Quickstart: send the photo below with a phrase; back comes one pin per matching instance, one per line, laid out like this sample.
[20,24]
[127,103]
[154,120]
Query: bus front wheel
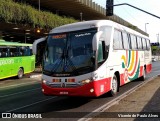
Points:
[114,86]
[20,73]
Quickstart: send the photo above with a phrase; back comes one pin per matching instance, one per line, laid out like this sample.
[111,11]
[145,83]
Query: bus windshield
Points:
[69,53]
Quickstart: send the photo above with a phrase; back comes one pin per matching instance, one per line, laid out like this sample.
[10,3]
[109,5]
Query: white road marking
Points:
[19,92]
[14,85]
[31,104]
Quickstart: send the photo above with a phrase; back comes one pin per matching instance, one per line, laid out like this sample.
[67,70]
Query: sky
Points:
[137,17]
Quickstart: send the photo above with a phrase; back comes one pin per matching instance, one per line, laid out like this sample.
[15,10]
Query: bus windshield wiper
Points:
[68,60]
[60,62]
[64,61]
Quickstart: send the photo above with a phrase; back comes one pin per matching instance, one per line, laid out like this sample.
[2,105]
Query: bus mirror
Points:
[35,44]
[93,59]
[95,40]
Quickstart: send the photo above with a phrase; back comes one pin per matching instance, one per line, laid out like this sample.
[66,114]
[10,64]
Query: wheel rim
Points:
[114,84]
[20,73]
[144,73]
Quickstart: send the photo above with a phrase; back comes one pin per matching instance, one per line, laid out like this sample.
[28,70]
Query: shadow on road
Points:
[152,108]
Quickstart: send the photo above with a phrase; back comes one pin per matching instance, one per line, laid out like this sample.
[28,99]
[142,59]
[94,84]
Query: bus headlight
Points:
[85,81]
[95,76]
[44,81]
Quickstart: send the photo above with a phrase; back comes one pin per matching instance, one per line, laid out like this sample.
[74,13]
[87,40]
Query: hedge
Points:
[25,14]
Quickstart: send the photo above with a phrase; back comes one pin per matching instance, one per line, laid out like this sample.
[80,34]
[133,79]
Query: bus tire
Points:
[144,74]
[20,73]
[114,86]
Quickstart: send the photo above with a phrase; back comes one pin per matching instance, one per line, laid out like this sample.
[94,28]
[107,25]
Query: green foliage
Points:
[25,14]
[155,50]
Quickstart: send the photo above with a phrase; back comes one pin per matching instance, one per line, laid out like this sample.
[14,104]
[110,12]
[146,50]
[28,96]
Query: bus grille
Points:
[64,86]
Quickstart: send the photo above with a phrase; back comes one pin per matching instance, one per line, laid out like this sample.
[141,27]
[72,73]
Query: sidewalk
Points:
[144,99]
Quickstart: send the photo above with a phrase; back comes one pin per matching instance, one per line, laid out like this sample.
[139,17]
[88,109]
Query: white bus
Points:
[91,58]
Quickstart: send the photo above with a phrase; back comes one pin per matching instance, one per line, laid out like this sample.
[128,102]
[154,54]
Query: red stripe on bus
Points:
[148,68]
[141,71]
[122,82]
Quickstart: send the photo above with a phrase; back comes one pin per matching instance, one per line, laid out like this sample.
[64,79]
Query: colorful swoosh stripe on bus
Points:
[131,64]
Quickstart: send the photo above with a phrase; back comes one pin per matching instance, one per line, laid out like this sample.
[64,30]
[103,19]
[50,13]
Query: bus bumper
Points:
[93,89]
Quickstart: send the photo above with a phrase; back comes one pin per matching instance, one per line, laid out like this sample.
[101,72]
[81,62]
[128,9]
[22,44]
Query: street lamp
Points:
[39,4]
[146,27]
[81,15]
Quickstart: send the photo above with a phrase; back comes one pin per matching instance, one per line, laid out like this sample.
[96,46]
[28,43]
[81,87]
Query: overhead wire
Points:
[129,13]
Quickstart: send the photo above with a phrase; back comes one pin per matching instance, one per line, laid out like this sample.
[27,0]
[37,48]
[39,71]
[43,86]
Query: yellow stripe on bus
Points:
[28,72]
[8,76]
[14,75]
[132,61]
[124,59]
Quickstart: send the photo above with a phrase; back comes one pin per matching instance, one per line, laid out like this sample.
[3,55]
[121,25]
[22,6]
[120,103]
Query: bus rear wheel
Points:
[20,73]
[144,74]
[114,86]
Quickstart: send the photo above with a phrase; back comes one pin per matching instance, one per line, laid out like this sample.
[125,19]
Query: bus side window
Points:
[117,40]
[133,42]
[13,51]
[28,51]
[144,44]
[125,40]
[0,52]
[25,51]
[21,51]
[10,53]
[17,52]
[4,52]
[101,51]
[148,44]
[139,42]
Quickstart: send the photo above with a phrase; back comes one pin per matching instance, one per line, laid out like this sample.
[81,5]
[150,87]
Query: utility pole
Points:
[146,27]
[158,38]
[81,16]
[39,5]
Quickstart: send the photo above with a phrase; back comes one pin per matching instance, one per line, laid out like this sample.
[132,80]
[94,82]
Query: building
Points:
[27,20]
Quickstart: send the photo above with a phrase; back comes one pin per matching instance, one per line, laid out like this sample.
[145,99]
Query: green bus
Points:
[16,59]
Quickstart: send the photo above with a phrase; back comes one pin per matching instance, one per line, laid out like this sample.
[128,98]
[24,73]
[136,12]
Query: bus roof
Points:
[6,43]
[93,24]
[78,26]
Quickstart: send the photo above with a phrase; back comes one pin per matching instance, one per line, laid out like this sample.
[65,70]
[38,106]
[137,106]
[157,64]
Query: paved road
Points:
[24,96]
[141,105]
